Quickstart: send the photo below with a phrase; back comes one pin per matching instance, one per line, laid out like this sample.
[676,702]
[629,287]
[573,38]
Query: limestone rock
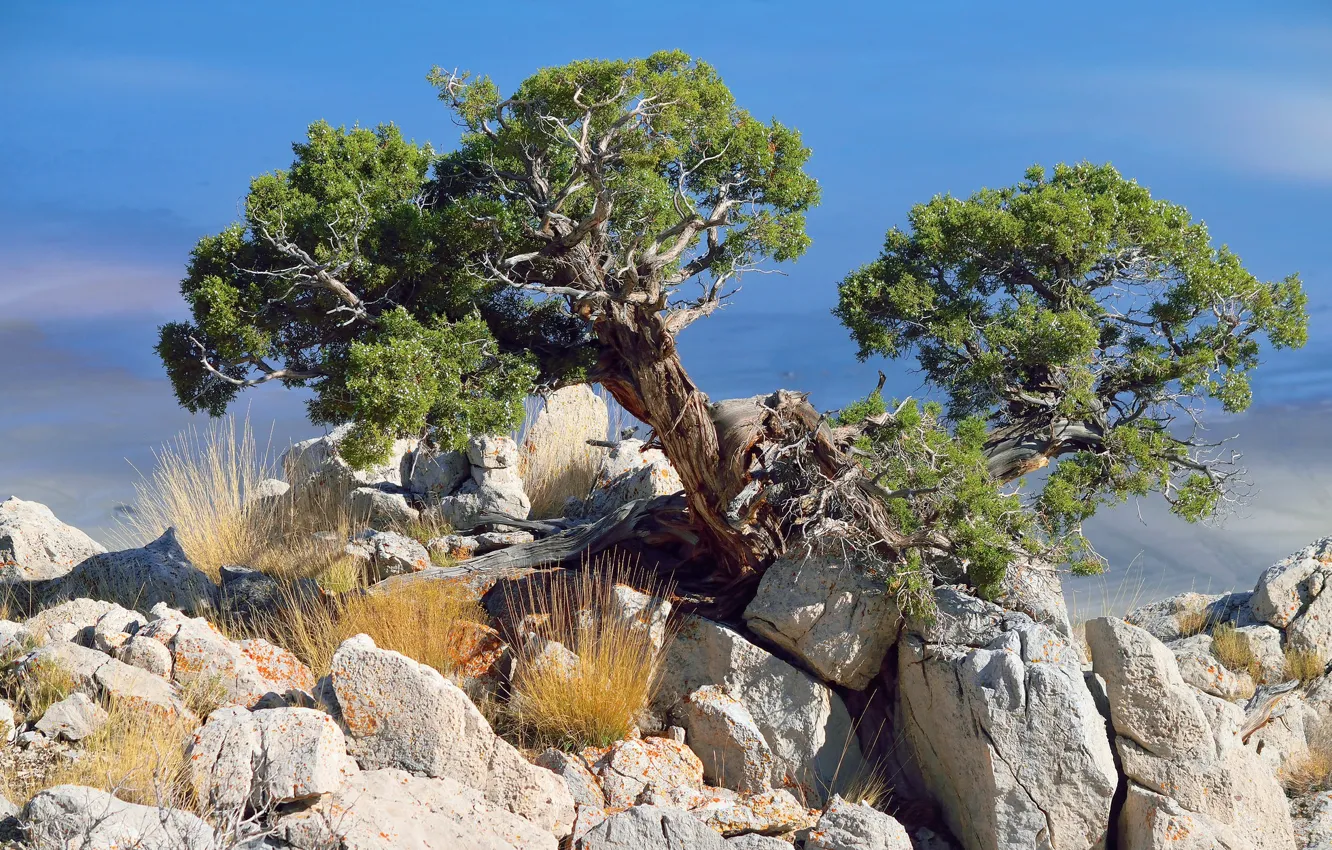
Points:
[856,826]
[1190,772]
[430,473]
[6,722]
[316,470]
[393,810]
[633,766]
[455,547]
[1288,586]
[247,593]
[583,784]
[402,714]
[76,621]
[644,613]
[836,619]
[493,540]
[243,671]
[1265,643]
[770,813]
[75,816]
[35,546]
[1008,737]
[752,841]
[628,473]
[394,554]
[1031,587]
[805,724]
[382,506]
[1150,702]
[265,758]
[268,490]
[98,675]
[158,572]
[1201,669]
[72,719]
[146,654]
[556,443]
[721,731]
[13,636]
[652,828]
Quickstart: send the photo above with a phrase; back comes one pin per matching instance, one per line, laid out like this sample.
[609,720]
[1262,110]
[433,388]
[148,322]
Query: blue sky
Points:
[130,129]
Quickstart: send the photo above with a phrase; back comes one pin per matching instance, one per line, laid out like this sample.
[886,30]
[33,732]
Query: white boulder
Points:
[838,620]
[35,546]
[401,714]
[68,816]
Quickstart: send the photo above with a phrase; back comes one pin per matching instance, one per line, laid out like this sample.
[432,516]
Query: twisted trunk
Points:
[717,449]
[1014,451]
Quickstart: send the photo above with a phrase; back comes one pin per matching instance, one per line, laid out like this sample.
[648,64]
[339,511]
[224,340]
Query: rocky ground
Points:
[823,718]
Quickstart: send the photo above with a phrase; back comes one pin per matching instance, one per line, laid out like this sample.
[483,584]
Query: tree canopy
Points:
[1078,318]
[587,218]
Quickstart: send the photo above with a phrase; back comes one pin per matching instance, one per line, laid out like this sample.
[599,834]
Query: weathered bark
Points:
[717,449]
[1015,451]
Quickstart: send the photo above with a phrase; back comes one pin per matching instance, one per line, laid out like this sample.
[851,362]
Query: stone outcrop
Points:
[557,438]
[35,546]
[1004,730]
[72,719]
[629,471]
[400,714]
[391,809]
[267,758]
[315,470]
[652,828]
[856,826]
[721,731]
[805,723]
[836,619]
[495,486]
[159,573]
[99,676]
[243,671]
[74,816]
[633,767]
[1188,771]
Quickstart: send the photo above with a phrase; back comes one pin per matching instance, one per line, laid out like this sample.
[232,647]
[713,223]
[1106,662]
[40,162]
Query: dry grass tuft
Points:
[38,686]
[434,622]
[1310,772]
[201,485]
[595,701]
[1231,647]
[556,463]
[138,756]
[1304,665]
[1192,622]
[870,787]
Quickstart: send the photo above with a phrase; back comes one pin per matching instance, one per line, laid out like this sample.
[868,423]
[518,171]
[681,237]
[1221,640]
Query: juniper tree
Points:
[1075,318]
[587,218]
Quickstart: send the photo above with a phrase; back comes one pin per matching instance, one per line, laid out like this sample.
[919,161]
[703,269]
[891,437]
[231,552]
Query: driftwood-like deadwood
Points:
[658,526]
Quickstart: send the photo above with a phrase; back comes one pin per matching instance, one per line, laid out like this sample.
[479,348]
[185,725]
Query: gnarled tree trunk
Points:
[717,449]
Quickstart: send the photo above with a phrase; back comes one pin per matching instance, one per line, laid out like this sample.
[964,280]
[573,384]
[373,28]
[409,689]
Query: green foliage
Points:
[418,294]
[1074,317]
[935,479]
[679,144]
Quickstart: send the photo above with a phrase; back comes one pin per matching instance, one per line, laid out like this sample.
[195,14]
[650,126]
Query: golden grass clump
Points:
[1304,665]
[438,623]
[1192,622]
[1310,772]
[39,685]
[139,756]
[1231,647]
[201,485]
[596,700]
[555,461]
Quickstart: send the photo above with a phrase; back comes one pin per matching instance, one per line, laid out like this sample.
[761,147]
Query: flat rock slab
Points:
[393,810]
